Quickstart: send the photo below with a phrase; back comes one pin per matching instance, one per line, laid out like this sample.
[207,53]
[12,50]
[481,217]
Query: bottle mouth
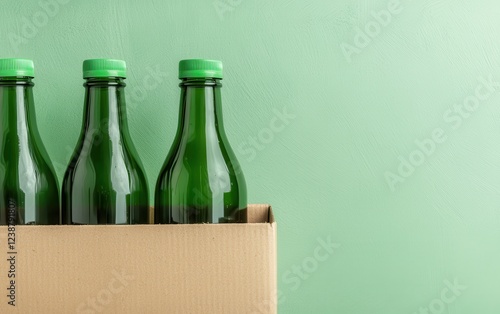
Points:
[105,81]
[196,81]
[16,81]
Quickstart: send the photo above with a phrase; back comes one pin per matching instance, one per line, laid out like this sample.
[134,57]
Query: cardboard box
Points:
[205,268]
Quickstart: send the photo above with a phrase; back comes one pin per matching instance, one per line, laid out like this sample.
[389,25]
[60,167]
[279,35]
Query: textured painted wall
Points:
[373,127]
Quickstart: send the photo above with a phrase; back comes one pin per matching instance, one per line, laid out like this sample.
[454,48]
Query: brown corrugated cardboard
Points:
[208,268]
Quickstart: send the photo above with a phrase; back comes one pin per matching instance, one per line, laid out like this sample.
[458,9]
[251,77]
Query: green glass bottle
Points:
[105,182]
[201,180]
[29,190]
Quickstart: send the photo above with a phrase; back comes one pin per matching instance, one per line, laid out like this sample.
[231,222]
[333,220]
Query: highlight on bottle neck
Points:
[104,100]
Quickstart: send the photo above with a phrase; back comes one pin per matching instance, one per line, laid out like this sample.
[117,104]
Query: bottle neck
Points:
[17,109]
[200,115]
[105,111]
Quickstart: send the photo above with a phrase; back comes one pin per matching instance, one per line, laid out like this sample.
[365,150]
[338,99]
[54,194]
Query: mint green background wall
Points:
[329,122]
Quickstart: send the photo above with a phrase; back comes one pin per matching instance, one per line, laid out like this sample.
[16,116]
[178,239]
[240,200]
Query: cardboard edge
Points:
[250,218]
[270,218]
[273,261]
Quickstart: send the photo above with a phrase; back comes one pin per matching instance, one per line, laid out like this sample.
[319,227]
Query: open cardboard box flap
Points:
[205,268]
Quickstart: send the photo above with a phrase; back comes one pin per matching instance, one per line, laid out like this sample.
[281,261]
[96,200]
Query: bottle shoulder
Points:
[30,162]
[214,162]
[29,174]
[103,165]
[98,148]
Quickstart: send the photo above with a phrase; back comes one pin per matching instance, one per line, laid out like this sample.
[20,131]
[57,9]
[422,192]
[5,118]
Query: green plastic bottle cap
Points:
[16,67]
[194,68]
[104,68]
